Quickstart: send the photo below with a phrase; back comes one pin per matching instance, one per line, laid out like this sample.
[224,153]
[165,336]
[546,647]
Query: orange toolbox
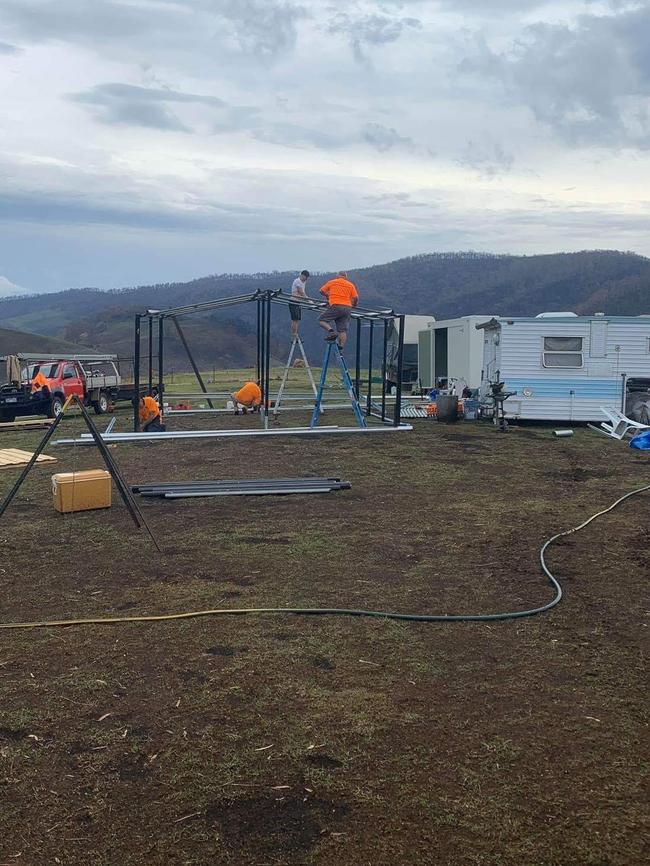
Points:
[81,491]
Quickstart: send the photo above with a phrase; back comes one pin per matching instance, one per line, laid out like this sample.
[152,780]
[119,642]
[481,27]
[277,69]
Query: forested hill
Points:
[440,284]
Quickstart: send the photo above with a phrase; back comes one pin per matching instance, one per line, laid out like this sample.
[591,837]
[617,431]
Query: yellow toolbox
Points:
[81,491]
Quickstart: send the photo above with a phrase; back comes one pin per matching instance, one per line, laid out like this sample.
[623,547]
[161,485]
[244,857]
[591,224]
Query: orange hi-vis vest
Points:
[149,410]
[340,292]
[249,394]
[39,381]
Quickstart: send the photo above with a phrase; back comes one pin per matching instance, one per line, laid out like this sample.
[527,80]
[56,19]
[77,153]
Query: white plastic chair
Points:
[619,424]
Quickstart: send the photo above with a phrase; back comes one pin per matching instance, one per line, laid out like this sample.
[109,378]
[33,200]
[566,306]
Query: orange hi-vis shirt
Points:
[149,410]
[340,291]
[39,381]
[249,394]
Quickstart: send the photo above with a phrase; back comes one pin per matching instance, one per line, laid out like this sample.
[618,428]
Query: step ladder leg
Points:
[285,376]
[347,381]
[321,385]
[307,367]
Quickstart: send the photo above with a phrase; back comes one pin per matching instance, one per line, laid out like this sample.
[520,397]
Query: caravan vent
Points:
[556,315]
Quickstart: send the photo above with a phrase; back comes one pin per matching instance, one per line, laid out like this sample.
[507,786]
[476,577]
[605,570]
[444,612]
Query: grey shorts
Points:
[296,312]
[339,314]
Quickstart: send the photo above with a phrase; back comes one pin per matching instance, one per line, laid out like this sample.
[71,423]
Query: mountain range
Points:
[443,285]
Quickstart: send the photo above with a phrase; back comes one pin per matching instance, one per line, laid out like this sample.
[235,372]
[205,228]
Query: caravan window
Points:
[562,352]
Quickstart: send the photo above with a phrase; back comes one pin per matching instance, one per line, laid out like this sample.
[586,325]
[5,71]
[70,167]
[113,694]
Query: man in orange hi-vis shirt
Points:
[39,382]
[341,296]
[150,415]
[248,397]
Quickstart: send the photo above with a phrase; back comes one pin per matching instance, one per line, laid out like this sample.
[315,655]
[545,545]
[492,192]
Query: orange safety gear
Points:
[249,394]
[149,409]
[39,382]
[340,292]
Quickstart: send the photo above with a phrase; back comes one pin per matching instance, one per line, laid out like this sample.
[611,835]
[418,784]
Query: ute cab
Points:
[95,381]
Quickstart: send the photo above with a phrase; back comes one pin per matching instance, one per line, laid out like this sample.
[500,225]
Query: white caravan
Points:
[564,367]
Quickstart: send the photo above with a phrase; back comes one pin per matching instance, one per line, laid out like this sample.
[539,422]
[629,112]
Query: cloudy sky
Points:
[159,140]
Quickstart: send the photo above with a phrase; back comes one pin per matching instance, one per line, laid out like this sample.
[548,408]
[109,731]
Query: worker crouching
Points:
[248,398]
[151,419]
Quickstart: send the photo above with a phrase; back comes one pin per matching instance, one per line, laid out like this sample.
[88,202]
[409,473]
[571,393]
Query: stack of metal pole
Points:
[235,487]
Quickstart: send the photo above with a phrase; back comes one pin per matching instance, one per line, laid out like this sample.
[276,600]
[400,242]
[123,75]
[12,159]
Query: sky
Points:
[146,141]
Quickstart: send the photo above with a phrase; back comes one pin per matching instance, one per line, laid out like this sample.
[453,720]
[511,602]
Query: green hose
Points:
[341,611]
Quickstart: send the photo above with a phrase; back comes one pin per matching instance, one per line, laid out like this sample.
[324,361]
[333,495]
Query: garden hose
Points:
[338,611]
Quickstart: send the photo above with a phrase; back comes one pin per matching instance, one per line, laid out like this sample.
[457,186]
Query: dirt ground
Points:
[318,740]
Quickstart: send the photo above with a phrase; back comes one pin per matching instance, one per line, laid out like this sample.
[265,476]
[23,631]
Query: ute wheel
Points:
[56,407]
[100,406]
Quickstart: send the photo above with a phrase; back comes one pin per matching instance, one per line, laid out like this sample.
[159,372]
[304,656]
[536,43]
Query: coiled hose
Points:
[341,611]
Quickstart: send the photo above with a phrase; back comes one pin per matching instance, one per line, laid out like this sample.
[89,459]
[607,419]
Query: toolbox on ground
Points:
[81,491]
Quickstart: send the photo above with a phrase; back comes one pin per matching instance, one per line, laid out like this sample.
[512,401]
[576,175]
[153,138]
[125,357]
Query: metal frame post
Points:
[150,347]
[259,344]
[161,362]
[357,371]
[400,359]
[370,348]
[136,376]
[266,396]
[195,368]
[383,372]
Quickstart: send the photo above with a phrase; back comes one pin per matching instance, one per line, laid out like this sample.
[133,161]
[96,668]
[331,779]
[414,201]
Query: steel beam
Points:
[233,434]
[197,372]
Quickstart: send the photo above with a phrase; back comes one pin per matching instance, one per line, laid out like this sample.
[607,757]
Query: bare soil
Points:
[319,740]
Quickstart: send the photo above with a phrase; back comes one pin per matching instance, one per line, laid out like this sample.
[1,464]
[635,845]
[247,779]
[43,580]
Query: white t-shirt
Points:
[298,288]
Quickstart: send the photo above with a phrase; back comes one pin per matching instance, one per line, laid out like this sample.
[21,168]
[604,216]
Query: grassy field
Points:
[297,380]
[286,740]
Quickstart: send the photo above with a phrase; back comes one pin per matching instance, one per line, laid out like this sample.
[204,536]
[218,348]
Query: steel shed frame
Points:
[264,300]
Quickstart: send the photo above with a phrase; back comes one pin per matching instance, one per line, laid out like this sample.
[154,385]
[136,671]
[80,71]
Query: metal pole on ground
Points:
[370,342]
[197,372]
[400,366]
[136,376]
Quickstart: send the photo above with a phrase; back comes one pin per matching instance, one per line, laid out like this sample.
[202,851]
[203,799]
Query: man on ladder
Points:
[297,291]
[342,296]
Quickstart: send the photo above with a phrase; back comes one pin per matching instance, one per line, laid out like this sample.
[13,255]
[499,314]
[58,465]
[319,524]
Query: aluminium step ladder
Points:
[347,381]
[296,342]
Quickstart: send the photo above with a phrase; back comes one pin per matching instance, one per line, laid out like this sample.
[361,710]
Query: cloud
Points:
[74,20]
[369,30]
[587,81]
[262,28]
[8,289]
[6,48]
[384,138]
[487,158]
[127,104]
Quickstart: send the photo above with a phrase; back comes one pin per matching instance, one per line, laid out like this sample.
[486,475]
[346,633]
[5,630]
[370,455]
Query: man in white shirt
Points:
[297,291]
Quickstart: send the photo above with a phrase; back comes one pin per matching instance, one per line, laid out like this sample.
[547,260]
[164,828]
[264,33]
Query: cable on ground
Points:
[339,611]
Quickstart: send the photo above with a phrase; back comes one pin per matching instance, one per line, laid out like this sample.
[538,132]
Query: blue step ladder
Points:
[347,381]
